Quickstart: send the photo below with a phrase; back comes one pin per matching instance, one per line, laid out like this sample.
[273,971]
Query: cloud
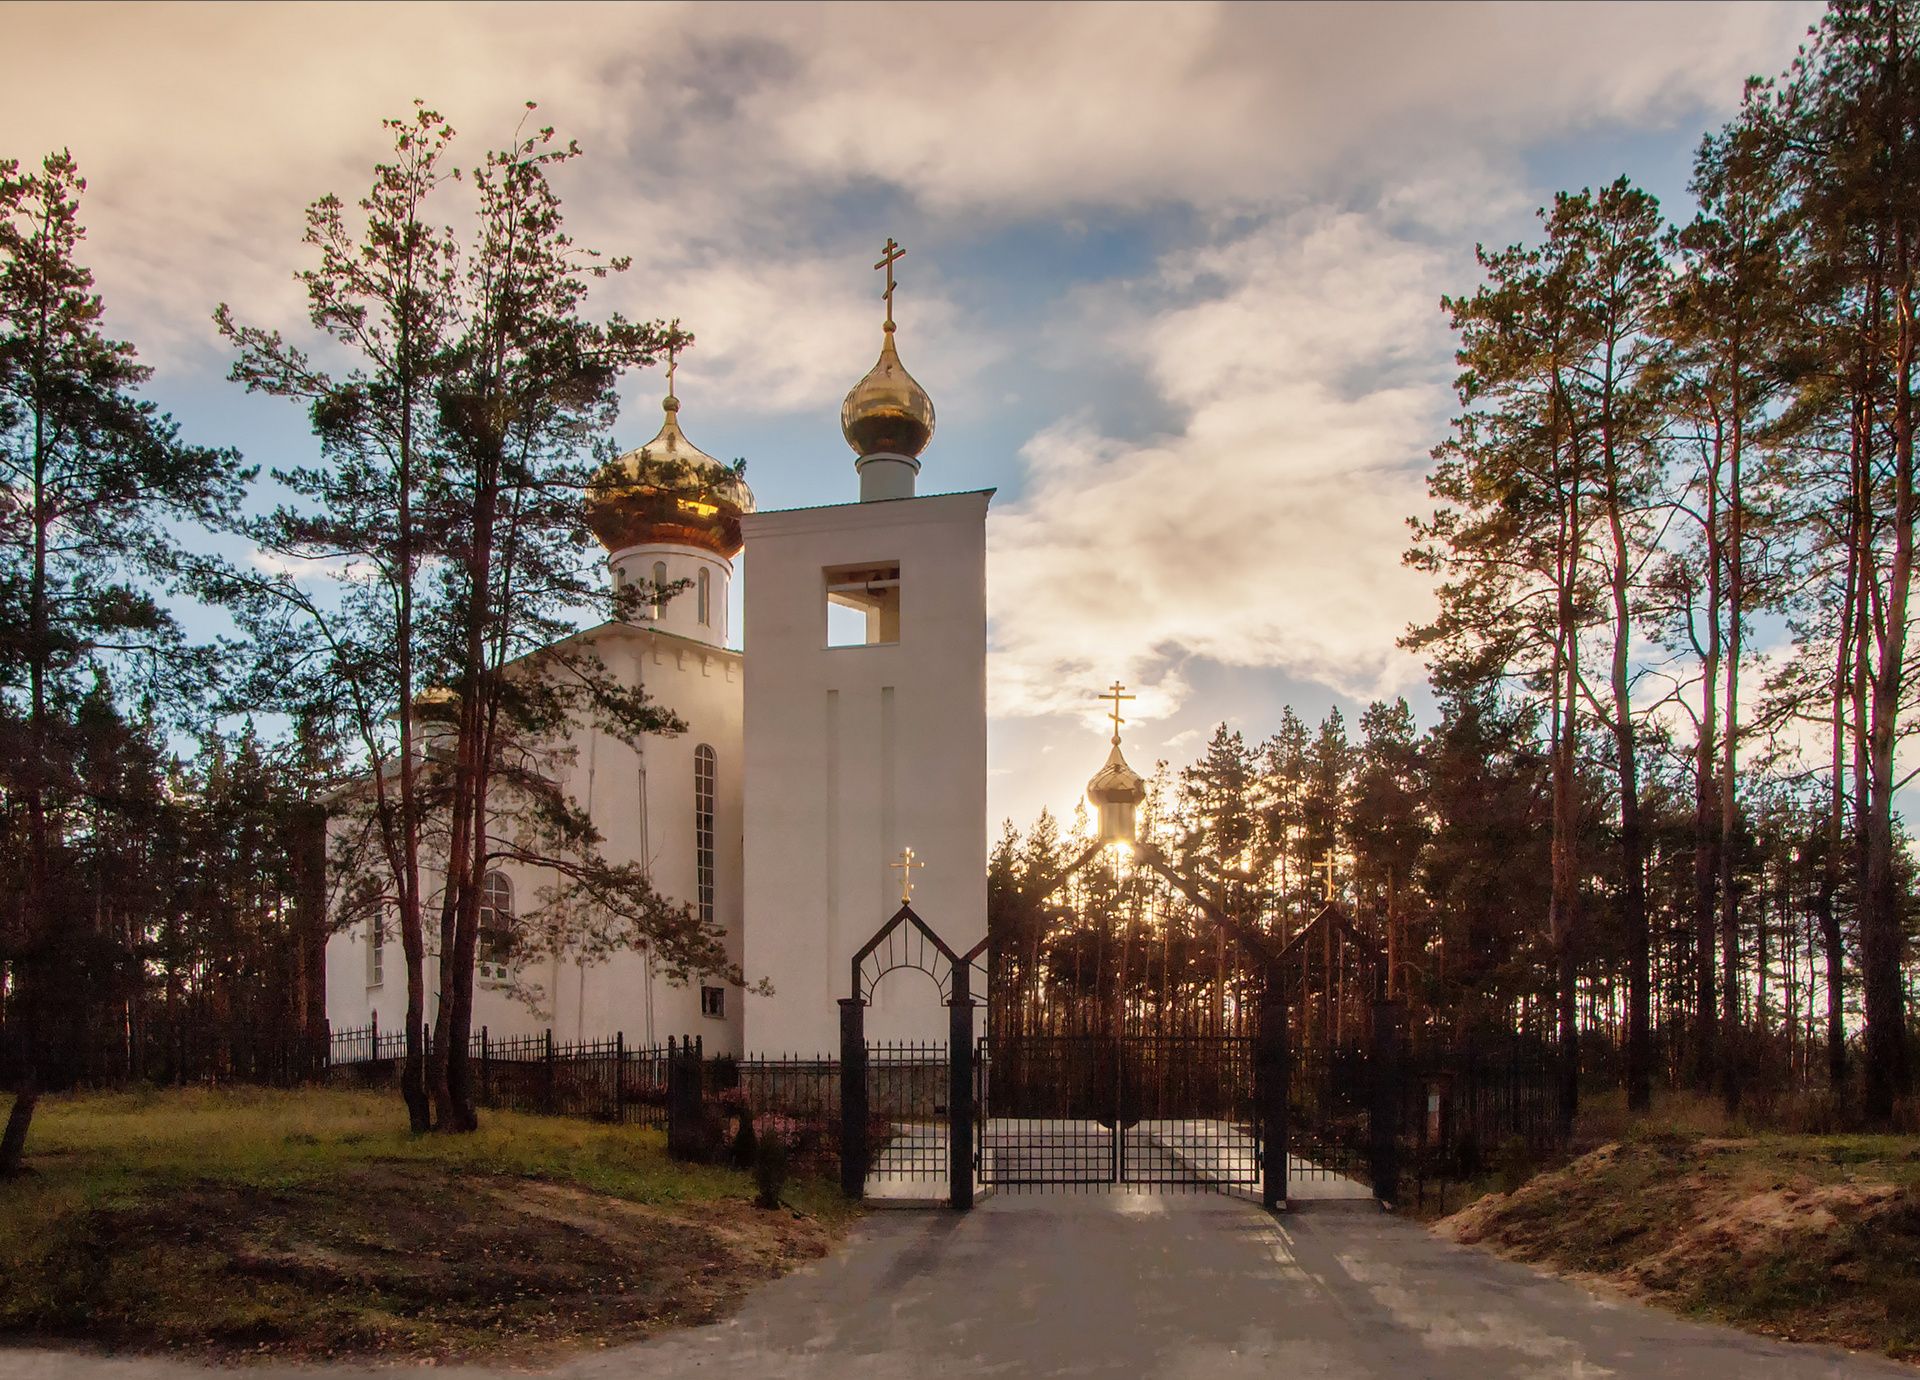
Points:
[1310,365]
[973,107]
[1232,488]
[720,134]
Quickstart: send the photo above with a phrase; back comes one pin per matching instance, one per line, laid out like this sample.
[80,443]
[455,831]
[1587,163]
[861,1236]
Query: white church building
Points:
[811,759]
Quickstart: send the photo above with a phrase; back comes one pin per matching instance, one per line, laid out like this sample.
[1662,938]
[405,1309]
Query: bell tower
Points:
[866,728]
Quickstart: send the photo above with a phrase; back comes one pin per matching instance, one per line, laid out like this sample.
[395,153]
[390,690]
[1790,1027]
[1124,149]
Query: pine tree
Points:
[97,478]
[462,450]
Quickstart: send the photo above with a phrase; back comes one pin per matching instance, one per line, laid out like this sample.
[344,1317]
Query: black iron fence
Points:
[1479,1107]
[793,1098]
[601,1080]
[169,1054]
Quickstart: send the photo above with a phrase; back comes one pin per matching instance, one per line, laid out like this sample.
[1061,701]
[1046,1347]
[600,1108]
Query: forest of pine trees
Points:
[1673,541]
[1654,816]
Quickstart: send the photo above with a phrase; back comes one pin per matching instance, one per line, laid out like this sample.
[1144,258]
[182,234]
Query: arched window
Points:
[659,583]
[496,928]
[706,612]
[704,767]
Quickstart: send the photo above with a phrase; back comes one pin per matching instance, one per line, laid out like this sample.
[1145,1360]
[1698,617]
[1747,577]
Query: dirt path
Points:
[1113,1285]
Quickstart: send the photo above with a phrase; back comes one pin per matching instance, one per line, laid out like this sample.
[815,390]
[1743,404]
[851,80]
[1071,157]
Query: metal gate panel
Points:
[1189,1116]
[1094,1111]
[908,1126]
[1330,1113]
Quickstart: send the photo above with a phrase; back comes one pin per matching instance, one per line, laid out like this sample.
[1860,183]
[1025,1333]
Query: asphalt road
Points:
[1104,1284]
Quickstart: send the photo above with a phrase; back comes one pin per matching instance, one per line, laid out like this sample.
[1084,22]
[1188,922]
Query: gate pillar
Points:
[1384,1117]
[1270,1073]
[960,1110]
[853,1097]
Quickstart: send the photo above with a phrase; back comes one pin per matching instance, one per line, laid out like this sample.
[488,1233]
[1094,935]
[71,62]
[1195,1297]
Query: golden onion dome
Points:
[669,490]
[887,412]
[1116,783]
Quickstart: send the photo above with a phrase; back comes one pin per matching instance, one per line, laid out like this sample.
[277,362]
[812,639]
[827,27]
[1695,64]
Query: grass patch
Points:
[1807,1237]
[310,1224]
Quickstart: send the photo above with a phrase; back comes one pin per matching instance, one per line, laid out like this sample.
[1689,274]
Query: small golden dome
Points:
[669,490]
[887,412]
[1116,783]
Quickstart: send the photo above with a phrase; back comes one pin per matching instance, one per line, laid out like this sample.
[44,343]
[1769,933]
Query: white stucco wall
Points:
[853,753]
[680,613]
[702,684]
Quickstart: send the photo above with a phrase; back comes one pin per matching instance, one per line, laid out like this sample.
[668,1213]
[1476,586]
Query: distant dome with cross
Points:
[1116,790]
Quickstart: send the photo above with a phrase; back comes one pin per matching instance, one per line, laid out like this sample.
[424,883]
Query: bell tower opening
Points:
[863,604]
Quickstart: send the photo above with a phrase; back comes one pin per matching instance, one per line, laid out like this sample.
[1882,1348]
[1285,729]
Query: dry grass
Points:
[310,1224]
[1812,1238]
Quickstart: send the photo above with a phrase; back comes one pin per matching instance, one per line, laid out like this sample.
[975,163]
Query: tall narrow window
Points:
[659,583]
[496,928]
[377,948]
[703,781]
[706,610]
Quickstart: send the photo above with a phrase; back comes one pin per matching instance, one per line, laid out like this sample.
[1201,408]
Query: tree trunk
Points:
[1888,1075]
[1706,804]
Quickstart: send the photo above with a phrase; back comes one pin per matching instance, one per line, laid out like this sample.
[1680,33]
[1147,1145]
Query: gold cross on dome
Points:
[1326,865]
[891,255]
[673,363]
[1115,694]
[905,868]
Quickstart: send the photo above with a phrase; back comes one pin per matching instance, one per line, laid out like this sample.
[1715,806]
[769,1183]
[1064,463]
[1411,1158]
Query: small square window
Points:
[863,604]
[494,960]
[713,1001]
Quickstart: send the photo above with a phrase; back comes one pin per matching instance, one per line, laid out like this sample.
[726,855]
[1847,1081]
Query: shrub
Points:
[1514,1164]
[745,1142]
[770,1170]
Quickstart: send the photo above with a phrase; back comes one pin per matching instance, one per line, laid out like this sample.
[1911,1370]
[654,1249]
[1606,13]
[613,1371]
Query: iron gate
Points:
[1332,1096]
[1096,1111]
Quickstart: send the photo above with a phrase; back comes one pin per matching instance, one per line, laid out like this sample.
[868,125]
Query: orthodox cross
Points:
[673,363]
[1116,696]
[1326,865]
[891,255]
[905,867]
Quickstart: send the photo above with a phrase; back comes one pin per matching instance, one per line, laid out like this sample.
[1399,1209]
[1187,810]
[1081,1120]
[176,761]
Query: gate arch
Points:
[915,1099]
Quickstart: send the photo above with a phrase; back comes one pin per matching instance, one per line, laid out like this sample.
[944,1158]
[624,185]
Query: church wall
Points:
[853,753]
[623,993]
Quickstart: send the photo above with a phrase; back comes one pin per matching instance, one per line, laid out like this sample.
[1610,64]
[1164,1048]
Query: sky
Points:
[1173,272]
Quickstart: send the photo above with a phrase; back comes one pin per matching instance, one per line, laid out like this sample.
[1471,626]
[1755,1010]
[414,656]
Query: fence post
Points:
[684,1080]
[486,1067]
[853,1097]
[374,1028]
[620,1077]
[960,1090]
[546,1100]
[1270,1074]
[1385,1115]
